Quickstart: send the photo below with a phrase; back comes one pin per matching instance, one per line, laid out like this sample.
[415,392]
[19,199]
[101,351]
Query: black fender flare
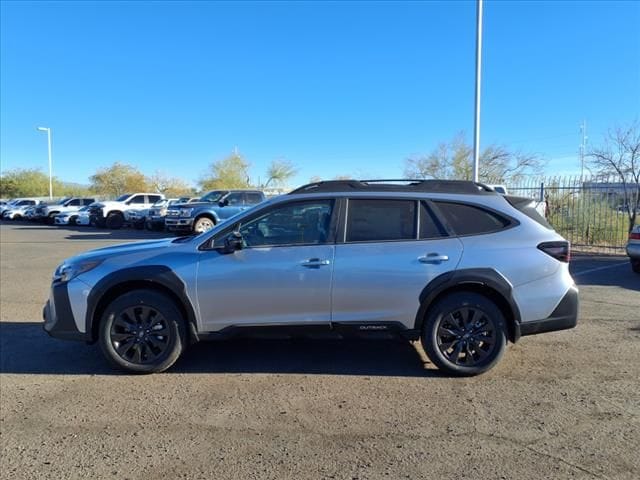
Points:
[157,277]
[481,279]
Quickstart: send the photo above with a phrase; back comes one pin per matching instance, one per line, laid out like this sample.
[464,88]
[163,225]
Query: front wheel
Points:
[635,265]
[142,331]
[464,334]
[115,221]
[203,224]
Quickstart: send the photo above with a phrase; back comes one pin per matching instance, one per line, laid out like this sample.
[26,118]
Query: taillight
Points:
[558,250]
[634,236]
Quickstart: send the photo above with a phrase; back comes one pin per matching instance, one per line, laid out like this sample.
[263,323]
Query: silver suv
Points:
[451,263]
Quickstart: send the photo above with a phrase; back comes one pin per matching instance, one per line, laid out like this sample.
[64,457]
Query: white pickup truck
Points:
[111,214]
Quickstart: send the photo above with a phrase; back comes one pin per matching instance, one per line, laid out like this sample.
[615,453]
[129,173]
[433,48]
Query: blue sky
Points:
[336,88]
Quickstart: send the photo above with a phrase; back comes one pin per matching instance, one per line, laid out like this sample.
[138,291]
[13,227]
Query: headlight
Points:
[68,271]
[186,212]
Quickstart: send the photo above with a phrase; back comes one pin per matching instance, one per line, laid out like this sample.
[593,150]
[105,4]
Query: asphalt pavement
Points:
[559,405]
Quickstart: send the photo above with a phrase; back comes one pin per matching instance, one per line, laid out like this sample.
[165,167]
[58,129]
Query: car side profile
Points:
[453,264]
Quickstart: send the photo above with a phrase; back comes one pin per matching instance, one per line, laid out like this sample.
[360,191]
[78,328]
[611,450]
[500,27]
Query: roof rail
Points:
[407,185]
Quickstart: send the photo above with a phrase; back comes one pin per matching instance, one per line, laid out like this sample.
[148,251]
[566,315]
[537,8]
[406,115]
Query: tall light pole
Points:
[476,126]
[48,130]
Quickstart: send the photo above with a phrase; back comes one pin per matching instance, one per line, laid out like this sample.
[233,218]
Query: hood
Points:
[192,205]
[126,248]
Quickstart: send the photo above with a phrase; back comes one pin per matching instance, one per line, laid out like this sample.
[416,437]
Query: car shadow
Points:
[26,349]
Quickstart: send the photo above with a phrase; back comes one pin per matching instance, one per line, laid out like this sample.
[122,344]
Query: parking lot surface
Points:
[559,405]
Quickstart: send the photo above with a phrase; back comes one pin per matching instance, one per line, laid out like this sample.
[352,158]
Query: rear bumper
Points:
[564,316]
[58,316]
[633,250]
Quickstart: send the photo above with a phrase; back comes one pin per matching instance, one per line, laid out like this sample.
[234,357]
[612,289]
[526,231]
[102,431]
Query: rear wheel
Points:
[115,220]
[203,224]
[142,331]
[464,334]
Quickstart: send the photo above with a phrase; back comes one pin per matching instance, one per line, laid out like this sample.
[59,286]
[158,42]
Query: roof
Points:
[403,185]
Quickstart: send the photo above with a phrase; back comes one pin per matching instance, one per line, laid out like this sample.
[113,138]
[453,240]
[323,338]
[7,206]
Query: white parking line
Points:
[591,270]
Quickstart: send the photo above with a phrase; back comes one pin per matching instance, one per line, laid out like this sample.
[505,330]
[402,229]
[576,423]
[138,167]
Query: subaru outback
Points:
[453,264]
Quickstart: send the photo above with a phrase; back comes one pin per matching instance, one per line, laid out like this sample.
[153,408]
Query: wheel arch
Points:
[157,278]
[207,214]
[484,281]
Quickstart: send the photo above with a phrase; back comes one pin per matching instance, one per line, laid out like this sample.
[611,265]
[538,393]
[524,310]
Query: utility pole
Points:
[583,146]
[48,130]
[476,126]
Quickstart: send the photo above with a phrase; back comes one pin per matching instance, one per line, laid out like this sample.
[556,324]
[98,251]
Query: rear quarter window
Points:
[467,219]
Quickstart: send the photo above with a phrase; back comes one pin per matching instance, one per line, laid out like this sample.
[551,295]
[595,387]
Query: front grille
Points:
[173,213]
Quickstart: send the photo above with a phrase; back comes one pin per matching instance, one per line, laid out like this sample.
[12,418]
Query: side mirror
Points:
[233,243]
[224,202]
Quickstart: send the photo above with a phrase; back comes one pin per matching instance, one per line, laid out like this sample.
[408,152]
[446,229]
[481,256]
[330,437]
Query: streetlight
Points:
[476,126]
[48,130]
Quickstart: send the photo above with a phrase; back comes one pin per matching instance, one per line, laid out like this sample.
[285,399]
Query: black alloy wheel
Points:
[464,334]
[142,331]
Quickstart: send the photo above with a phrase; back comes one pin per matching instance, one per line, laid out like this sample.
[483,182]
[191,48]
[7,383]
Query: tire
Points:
[203,224]
[126,341]
[72,220]
[461,346]
[148,225]
[115,221]
[138,225]
[635,265]
[51,219]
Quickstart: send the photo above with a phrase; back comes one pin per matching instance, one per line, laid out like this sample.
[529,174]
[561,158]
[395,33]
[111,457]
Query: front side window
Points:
[154,198]
[300,223]
[74,203]
[379,220]
[234,199]
[253,198]
[138,199]
[468,219]
[213,196]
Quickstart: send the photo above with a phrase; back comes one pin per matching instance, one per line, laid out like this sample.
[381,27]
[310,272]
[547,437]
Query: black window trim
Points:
[331,238]
[452,233]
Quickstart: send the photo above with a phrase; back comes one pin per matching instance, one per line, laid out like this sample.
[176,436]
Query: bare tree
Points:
[619,155]
[453,160]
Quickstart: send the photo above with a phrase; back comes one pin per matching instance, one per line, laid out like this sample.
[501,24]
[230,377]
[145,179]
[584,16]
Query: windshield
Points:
[213,196]
[122,198]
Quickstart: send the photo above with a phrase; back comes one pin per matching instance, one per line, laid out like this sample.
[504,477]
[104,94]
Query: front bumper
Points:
[58,317]
[564,316]
[178,223]
[633,250]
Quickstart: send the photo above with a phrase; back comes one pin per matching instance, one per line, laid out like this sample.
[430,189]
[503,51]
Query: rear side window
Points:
[234,198]
[381,220]
[471,220]
[430,226]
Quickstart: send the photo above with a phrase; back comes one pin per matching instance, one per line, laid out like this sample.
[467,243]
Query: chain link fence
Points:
[592,213]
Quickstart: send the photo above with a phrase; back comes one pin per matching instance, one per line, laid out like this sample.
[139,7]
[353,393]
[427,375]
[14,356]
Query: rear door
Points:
[389,251]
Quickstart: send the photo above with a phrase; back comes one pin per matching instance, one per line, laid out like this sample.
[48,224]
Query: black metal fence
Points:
[592,213]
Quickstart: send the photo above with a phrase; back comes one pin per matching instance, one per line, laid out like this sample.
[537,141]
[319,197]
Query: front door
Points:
[282,276]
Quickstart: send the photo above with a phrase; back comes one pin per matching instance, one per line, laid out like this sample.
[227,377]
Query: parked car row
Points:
[138,210]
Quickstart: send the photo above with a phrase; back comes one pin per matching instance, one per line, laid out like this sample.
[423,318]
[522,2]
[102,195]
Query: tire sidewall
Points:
[175,325]
[445,306]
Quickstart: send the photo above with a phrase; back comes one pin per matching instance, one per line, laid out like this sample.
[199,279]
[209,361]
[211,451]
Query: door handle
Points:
[314,262]
[433,258]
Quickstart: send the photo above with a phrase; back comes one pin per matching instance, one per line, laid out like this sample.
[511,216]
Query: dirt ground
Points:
[559,405]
